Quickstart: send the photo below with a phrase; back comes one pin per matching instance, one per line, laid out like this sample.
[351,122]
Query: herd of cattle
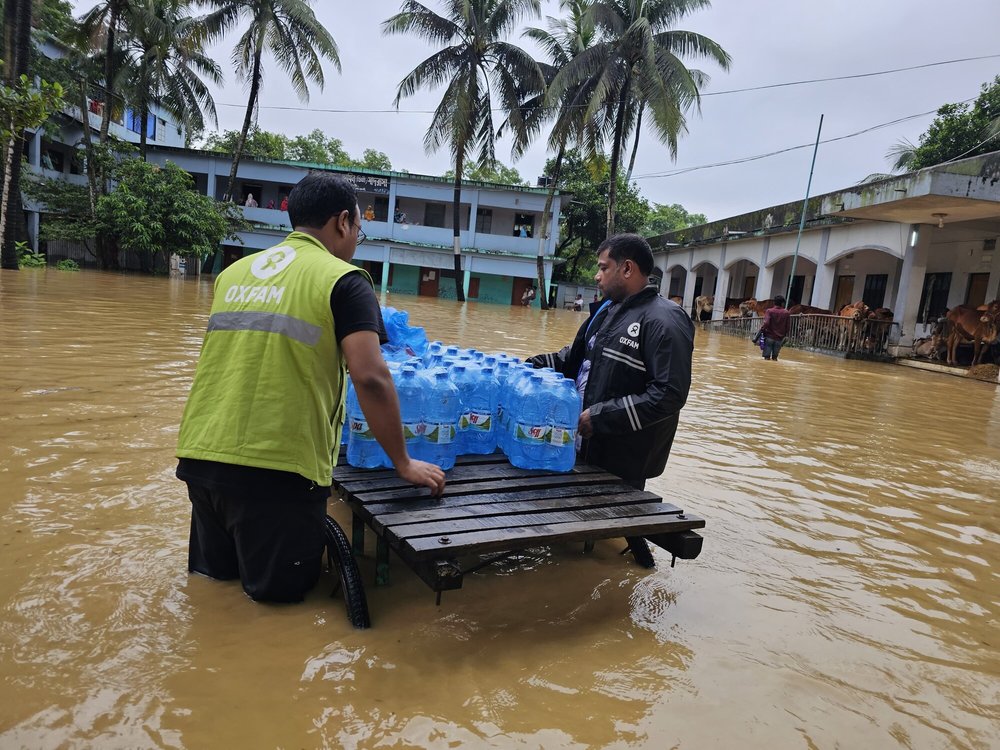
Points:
[963,324]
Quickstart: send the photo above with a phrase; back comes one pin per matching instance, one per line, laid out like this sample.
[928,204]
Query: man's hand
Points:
[423,474]
[585,427]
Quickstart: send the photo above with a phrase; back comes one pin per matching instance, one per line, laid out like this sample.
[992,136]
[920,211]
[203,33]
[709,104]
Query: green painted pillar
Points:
[466,277]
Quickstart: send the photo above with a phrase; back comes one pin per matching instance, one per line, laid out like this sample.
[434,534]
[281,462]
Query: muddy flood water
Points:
[848,594]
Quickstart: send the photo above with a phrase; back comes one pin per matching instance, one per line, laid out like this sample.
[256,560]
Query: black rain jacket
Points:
[639,379]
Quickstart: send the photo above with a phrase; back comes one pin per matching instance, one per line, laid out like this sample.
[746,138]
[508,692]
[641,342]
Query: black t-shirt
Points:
[355,308]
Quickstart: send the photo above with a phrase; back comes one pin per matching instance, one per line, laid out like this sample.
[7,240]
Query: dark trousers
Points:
[273,544]
[771,348]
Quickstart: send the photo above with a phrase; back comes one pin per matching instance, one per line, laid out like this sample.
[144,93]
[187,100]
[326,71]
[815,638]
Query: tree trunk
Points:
[251,103]
[546,220]
[616,155]
[12,225]
[143,113]
[456,223]
[9,259]
[88,149]
[635,144]
[114,13]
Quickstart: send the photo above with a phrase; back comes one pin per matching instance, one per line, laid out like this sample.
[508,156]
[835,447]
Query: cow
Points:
[875,330]
[807,310]
[935,346]
[971,324]
[733,311]
[702,304]
[755,307]
[856,311]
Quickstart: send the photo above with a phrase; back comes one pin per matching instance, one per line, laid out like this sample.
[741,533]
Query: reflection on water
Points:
[846,597]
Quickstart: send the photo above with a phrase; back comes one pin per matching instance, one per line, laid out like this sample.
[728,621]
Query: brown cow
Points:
[733,311]
[856,311]
[807,310]
[970,324]
[703,304]
[757,307]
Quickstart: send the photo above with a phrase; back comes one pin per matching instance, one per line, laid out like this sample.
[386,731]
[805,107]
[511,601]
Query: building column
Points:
[385,268]
[911,282]
[692,276]
[391,218]
[721,286]
[765,277]
[822,288]
[473,208]
[993,283]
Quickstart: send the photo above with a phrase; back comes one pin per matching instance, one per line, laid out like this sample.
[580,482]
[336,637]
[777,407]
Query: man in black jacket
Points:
[631,361]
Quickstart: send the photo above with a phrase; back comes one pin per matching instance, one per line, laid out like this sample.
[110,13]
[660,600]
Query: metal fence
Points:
[855,339]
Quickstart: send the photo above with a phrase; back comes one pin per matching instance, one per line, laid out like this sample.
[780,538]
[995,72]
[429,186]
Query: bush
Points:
[28,259]
[68,264]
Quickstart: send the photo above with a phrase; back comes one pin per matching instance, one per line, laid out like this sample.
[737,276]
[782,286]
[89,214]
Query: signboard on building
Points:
[368,183]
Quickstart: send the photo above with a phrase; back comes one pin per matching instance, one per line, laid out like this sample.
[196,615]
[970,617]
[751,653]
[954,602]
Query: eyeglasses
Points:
[361,234]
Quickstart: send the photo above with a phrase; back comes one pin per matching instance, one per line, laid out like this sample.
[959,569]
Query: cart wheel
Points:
[338,550]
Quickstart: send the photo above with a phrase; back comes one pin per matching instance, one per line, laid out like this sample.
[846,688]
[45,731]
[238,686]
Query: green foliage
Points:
[28,259]
[489,172]
[314,147]
[67,208]
[22,105]
[261,144]
[584,217]
[665,218]
[156,209]
[67,264]
[958,131]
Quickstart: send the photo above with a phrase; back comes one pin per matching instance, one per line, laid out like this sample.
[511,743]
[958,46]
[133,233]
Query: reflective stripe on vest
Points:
[286,325]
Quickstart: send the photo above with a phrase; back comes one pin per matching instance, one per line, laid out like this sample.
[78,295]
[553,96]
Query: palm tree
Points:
[165,62]
[290,31]
[102,24]
[637,64]
[474,64]
[564,40]
[17,49]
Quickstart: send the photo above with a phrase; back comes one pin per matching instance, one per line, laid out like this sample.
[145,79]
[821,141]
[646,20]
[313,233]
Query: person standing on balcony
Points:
[250,202]
[369,213]
[284,203]
[775,328]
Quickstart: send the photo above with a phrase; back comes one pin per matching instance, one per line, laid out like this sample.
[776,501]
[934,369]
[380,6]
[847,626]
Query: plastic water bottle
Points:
[477,389]
[442,408]
[363,450]
[562,430]
[530,428]
[411,389]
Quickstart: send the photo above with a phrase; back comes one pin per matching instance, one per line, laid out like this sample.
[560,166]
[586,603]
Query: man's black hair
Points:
[318,197]
[779,301]
[622,247]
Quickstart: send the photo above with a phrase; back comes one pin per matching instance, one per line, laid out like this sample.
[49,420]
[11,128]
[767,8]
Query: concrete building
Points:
[409,247]
[918,244]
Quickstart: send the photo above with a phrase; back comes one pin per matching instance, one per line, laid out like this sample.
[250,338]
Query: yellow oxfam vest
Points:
[269,388]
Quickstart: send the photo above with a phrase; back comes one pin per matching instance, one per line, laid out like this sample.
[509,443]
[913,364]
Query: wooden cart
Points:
[493,509]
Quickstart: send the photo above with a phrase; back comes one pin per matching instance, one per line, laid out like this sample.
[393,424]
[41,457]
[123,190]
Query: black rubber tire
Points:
[338,550]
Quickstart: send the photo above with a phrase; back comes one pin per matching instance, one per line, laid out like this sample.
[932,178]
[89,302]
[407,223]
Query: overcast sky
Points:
[770,41]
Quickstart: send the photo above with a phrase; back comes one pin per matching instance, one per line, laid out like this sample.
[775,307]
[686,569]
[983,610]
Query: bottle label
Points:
[439,434]
[561,436]
[476,420]
[531,434]
[413,430]
[360,430]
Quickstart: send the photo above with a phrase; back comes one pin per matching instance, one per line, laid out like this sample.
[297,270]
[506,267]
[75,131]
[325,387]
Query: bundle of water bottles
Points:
[456,401]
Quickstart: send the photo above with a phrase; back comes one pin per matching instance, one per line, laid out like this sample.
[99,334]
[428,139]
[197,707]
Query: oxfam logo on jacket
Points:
[633,330]
[271,262]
